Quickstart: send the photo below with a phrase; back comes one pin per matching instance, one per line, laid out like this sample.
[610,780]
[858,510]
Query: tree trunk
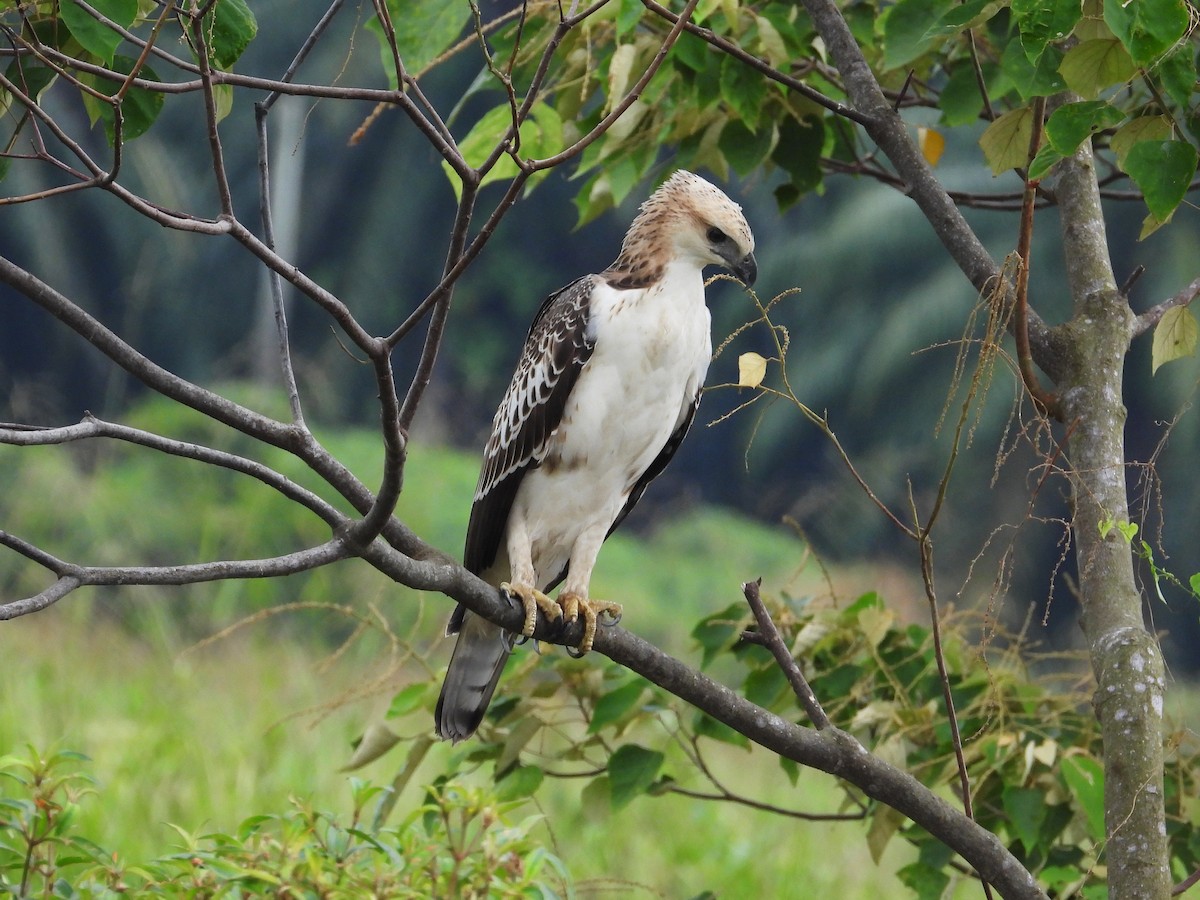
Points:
[1125,657]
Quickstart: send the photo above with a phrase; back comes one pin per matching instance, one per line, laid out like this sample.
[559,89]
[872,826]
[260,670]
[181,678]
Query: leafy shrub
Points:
[460,842]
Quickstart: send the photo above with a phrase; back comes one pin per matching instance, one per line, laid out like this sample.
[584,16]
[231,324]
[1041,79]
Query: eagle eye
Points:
[716,235]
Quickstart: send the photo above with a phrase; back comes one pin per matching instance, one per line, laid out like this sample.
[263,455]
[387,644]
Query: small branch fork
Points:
[773,642]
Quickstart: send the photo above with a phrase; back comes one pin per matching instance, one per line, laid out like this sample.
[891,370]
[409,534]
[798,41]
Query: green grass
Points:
[204,739]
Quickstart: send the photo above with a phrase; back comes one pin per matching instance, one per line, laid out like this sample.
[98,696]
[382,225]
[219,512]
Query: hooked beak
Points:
[746,269]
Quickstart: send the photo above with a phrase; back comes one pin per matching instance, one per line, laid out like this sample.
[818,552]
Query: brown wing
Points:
[555,351]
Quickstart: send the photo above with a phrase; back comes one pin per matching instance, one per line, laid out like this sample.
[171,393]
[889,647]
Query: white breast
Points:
[651,354]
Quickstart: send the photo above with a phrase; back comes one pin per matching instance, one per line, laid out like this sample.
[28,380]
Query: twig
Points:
[1047,402]
[283,344]
[1151,317]
[761,66]
[779,650]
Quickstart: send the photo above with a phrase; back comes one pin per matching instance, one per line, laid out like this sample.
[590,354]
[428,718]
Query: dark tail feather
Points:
[475,668]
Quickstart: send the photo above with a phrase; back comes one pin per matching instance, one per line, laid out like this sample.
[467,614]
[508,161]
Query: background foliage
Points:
[874,334]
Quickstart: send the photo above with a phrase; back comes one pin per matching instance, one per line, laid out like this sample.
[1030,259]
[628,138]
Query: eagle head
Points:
[708,226]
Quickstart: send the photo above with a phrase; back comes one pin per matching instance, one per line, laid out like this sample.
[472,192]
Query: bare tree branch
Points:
[1151,317]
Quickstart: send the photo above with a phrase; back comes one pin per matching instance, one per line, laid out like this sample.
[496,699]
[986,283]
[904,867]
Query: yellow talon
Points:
[532,600]
[573,604]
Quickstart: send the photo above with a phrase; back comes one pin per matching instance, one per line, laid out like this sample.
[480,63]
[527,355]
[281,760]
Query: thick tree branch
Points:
[888,130]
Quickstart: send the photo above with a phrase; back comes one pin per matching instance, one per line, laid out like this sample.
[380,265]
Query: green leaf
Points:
[519,782]
[1025,809]
[718,632]
[1133,132]
[906,30]
[229,28]
[1092,66]
[139,108]
[1031,80]
[1162,170]
[1175,336]
[541,135]
[631,770]
[744,90]
[616,704]
[925,881]
[971,14]
[1147,28]
[1042,22]
[407,700]
[31,78]
[798,151]
[1178,74]
[771,43]
[744,149]
[1194,583]
[1071,123]
[1085,777]
[424,30]
[96,38]
[1005,142]
[1046,157]
[629,13]
[960,100]
[764,686]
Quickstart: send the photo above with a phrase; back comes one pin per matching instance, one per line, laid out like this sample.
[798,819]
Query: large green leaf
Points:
[1085,777]
[744,149]
[1162,170]
[1175,336]
[1025,809]
[424,30]
[631,770]
[229,28]
[1147,28]
[1043,21]
[798,151]
[1143,128]
[1005,142]
[1031,80]
[1093,66]
[95,37]
[1178,74]
[906,31]
[139,107]
[1071,123]
[616,704]
[541,135]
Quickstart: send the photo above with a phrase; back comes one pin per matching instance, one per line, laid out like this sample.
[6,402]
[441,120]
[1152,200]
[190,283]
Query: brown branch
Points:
[759,65]
[1151,317]
[774,643]
[1046,402]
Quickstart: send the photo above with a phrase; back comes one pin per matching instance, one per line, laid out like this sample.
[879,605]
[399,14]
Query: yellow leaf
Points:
[377,740]
[1143,128]
[1175,336]
[619,71]
[1005,142]
[875,622]
[932,144]
[771,42]
[751,369]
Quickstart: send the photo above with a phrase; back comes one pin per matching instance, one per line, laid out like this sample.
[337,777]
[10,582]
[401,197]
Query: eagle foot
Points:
[573,605]
[531,600]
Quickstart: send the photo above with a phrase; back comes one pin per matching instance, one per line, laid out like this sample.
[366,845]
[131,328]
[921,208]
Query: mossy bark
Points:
[1125,656]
